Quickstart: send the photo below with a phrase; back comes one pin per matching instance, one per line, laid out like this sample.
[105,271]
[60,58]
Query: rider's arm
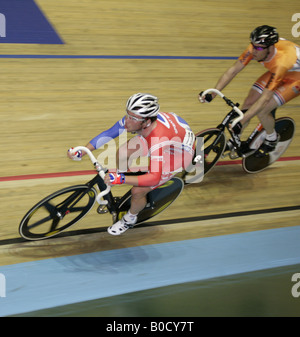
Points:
[105,136]
[238,66]
[147,179]
[153,177]
[229,74]
[226,78]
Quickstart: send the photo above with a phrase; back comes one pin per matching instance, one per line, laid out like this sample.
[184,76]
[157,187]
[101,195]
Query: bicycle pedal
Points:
[233,154]
[102,209]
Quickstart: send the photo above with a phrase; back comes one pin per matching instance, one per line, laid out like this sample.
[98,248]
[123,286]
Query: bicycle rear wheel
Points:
[158,200]
[285,127]
[57,212]
[214,142]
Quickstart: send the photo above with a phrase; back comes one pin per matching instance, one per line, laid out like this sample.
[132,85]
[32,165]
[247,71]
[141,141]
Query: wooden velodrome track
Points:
[50,104]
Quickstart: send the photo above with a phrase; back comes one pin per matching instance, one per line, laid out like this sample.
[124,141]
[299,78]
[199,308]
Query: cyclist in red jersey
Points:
[278,85]
[164,137]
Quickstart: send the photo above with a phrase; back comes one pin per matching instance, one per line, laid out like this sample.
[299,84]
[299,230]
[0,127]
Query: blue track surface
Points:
[59,281]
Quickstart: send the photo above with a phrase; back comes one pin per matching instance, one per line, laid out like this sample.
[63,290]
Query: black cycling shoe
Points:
[245,149]
[267,147]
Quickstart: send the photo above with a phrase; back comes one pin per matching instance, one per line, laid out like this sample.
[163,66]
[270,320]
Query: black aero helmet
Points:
[265,35]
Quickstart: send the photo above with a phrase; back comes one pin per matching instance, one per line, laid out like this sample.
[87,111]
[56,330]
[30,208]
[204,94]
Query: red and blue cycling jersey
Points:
[169,146]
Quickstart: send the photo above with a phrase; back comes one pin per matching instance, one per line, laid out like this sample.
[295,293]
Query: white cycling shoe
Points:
[120,227]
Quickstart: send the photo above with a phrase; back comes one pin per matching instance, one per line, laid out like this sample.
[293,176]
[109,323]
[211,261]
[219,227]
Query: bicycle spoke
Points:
[56,211]
[73,198]
[54,224]
[40,222]
[75,209]
[50,208]
[53,215]
[208,138]
[208,149]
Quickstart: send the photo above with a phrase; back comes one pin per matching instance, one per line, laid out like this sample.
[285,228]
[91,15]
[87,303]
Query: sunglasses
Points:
[133,118]
[259,48]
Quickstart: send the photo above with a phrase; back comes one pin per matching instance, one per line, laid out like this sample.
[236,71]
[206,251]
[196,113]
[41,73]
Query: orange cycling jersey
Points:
[284,66]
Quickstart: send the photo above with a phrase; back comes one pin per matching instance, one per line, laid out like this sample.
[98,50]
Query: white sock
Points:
[130,218]
[272,136]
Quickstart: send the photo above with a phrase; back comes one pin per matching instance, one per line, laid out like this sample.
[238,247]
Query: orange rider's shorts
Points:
[288,89]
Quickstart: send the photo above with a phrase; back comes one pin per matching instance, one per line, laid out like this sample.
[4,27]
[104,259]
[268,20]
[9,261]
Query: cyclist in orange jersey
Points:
[278,85]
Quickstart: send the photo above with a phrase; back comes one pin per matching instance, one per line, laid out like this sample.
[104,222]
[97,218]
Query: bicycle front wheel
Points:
[214,142]
[57,212]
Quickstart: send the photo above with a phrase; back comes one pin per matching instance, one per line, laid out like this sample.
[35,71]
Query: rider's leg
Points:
[138,202]
[132,149]
[267,119]
[254,94]
[138,198]
[252,97]
[284,93]
[266,116]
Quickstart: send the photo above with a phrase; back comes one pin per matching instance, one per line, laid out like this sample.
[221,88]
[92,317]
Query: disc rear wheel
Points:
[285,127]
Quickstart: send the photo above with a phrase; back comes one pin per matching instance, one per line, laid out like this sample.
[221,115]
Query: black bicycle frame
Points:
[224,125]
[114,203]
[234,138]
[111,206]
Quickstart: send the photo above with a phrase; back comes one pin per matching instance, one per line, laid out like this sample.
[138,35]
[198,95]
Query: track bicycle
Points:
[214,140]
[62,209]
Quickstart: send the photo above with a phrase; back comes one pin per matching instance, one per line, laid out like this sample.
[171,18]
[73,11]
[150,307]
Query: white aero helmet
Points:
[144,105]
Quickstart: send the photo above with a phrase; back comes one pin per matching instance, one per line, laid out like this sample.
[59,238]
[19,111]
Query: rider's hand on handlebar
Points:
[206,99]
[114,178]
[74,156]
